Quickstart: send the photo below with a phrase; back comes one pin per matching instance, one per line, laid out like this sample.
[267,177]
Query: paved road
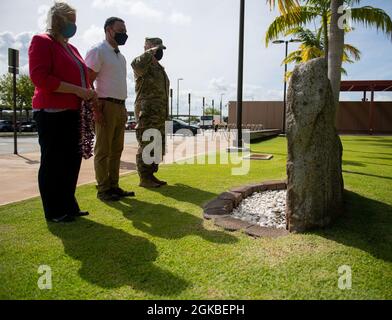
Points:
[30,144]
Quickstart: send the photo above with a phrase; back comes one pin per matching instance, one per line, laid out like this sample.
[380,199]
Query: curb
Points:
[220,210]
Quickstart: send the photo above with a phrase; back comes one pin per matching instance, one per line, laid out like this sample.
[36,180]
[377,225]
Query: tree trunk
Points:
[325,35]
[336,46]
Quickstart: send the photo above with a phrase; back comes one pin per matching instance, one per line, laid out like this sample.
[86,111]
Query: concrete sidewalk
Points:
[19,173]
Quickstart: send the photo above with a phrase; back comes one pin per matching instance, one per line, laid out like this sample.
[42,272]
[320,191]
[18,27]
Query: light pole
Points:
[13,64]
[204,109]
[171,104]
[178,96]
[221,106]
[286,42]
[240,76]
[189,102]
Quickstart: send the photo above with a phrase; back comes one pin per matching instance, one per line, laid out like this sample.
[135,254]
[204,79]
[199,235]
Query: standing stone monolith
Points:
[314,166]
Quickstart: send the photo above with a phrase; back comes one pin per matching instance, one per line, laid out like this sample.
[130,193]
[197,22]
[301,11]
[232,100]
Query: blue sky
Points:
[202,41]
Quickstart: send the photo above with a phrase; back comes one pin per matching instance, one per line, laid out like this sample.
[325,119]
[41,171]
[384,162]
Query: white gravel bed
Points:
[266,209]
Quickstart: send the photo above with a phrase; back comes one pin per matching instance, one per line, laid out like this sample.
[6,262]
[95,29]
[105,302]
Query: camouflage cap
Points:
[156,42]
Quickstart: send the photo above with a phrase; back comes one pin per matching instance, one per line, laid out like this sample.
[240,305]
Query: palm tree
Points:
[328,12]
[284,6]
[313,46]
[335,52]
[298,16]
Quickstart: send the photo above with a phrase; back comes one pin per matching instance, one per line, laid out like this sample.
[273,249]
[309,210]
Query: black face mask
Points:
[159,54]
[121,38]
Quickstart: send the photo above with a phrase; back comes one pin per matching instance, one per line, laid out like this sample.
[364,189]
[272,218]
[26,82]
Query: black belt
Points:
[117,101]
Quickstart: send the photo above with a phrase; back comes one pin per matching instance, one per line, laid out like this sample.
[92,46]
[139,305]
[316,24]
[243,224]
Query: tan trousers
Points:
[109,145]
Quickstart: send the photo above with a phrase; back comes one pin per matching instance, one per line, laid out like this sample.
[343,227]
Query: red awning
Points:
[366,85]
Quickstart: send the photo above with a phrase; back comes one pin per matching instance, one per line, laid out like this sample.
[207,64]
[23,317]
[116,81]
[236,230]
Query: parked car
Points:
[28,126]
[179,124]
[210,122]
[130,125]
[6,126]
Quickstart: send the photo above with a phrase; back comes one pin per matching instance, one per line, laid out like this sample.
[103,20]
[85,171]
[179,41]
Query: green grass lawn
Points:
[157,246]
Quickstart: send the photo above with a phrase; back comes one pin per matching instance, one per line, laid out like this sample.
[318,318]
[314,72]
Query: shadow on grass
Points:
[379,158]
[353,163]
[112,258]
[376,164]
[166,222]
[184,193]
[370,153]
[367,174]
[169,223]
[380,141]
[366,225]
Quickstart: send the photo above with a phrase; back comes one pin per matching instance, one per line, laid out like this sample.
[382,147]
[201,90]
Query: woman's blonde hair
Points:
[58,16]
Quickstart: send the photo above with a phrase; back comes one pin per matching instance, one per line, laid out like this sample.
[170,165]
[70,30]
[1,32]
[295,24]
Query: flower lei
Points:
[86,130]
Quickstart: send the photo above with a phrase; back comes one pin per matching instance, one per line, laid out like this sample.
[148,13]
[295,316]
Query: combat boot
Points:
[160,182]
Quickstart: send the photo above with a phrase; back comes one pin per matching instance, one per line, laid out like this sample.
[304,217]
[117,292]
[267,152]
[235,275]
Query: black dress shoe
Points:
[107,196]
[64,219]
[81,214]
[122,193]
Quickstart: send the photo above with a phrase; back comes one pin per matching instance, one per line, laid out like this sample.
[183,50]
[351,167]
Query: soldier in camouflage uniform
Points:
[151,105]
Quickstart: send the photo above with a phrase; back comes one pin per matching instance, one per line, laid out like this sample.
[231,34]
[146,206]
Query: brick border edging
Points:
[220,209]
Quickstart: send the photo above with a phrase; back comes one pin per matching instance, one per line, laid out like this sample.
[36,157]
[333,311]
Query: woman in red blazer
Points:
[61,80]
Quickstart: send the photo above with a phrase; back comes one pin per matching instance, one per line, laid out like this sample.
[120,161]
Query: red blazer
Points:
[50,64]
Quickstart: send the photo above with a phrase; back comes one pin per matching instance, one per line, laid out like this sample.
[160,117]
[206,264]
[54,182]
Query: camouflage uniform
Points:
[151,105]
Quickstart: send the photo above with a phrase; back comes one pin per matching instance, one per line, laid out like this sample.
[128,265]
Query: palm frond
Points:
[352,51]
[307,37]
[373,17]
[293,57]
[322,5]
[309,53]
[296,17]
[284,6]
[294,31]
[319,33]
[288,75]
[346,58]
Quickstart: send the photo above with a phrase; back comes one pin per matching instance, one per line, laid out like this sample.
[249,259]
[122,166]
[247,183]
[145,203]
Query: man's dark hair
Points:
[111,21]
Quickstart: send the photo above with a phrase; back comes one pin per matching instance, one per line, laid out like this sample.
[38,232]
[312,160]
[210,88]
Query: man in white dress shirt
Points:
[108,71]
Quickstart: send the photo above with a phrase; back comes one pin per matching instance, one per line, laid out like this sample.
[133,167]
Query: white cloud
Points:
[218,84]
[21,42]
[93,35]
[135,8]
[103,4]
[43,16]
[179,18]
[142,10]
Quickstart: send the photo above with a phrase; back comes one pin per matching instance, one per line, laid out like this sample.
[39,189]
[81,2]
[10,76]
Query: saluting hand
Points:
[154,50]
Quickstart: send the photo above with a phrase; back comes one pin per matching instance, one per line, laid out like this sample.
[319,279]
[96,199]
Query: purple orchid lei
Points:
[86,130]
